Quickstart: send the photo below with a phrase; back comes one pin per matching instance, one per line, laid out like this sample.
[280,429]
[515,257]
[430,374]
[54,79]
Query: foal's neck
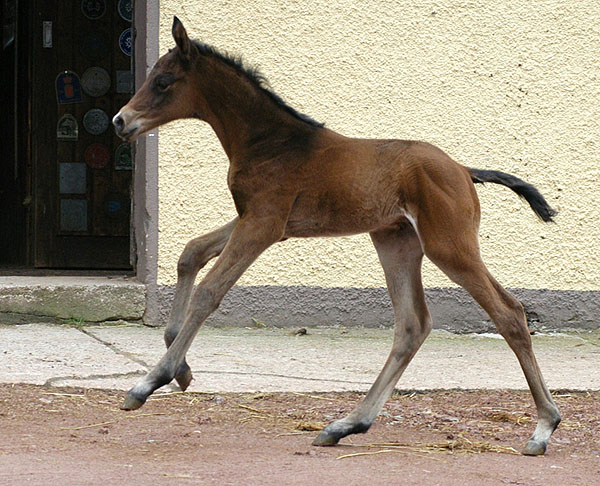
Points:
[248,122]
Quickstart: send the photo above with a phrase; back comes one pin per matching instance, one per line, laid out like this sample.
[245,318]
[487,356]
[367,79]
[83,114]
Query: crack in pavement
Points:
[116,350]
[126,354]
[143,363]
[588,341]
[130,374]
[276,375]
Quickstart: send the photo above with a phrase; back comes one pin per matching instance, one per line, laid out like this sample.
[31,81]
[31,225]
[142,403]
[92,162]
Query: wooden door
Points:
[81,73]
[13,149]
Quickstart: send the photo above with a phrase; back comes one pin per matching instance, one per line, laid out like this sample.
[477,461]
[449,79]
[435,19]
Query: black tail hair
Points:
[522,188]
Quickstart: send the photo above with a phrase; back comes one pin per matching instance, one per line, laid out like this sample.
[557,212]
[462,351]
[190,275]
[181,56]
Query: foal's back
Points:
[350,185]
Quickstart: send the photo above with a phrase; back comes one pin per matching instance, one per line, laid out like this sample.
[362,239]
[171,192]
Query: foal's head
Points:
[166,95]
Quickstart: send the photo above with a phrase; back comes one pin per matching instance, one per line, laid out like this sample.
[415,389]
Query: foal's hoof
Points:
[184,378]
[534,448]
[132,402]
[325,439]
[339,429]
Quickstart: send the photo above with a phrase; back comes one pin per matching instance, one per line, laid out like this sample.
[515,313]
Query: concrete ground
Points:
[264,359]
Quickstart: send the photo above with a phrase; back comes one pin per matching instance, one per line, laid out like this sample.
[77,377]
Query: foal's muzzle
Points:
[119,123]
[124,128]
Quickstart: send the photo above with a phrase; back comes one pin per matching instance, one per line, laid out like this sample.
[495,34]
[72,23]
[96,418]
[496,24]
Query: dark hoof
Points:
[534,448]
[132,402]
[325,439]
[184,378]
[335,431]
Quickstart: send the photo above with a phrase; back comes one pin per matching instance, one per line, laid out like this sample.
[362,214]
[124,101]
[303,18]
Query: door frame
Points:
[145,182]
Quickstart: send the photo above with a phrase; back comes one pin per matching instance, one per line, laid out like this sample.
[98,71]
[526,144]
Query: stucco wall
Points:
[505,85]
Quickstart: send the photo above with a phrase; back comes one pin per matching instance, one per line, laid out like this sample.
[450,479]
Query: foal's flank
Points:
[292,177]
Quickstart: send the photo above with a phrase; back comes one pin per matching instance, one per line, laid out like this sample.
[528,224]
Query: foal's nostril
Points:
[119,123]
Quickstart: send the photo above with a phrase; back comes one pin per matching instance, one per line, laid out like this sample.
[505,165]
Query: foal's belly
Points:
[328,215]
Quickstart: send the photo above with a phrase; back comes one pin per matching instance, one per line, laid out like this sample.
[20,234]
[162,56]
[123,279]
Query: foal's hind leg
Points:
[400,255]
[197,253]
[453,247]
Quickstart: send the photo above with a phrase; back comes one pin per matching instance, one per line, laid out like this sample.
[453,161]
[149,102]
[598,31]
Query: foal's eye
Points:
[163,82]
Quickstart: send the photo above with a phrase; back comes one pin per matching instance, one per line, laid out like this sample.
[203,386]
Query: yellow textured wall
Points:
[506,85]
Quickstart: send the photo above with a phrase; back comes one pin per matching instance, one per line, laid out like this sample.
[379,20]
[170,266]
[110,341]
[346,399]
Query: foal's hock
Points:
[292,177]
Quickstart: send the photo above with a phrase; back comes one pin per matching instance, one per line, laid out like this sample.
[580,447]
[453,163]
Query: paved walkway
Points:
[243,360]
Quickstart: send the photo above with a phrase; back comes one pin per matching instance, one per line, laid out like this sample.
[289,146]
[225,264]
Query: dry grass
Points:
[460,445]
[309,426]
[513,418]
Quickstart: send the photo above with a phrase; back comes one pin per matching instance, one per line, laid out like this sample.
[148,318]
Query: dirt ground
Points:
[69,436]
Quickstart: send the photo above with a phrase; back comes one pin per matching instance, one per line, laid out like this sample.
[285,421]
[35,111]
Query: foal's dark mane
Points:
[255,77]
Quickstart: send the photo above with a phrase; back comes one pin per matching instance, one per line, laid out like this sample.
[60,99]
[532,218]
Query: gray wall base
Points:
[452,309]
[89,299]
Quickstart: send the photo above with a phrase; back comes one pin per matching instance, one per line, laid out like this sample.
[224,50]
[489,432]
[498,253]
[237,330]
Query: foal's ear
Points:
[181,39]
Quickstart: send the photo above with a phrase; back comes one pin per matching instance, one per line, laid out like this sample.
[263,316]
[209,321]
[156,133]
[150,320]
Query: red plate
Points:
[96,156]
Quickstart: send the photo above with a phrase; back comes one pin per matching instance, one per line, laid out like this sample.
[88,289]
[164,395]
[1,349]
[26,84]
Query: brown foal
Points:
[291,177]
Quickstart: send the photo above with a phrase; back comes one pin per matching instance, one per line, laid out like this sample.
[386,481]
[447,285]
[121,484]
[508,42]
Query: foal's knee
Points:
[512,324]
[205,300]
[170,335]
[420,329]
[191,259]
[411,334]
[187,262]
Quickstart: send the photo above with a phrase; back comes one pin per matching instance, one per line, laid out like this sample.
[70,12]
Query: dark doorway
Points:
[71,199]
[13,158]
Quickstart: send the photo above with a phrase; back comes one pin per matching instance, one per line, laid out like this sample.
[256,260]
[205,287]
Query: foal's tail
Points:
[522,188]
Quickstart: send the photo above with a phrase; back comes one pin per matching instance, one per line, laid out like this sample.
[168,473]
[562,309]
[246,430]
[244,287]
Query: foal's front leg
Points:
[197,253]
[248,240]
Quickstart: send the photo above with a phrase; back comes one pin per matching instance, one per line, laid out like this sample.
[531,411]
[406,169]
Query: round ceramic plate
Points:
[125,10]
[95,121]
[116,206]
[93,9]
[96,156]
[95,81]
[125,42]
